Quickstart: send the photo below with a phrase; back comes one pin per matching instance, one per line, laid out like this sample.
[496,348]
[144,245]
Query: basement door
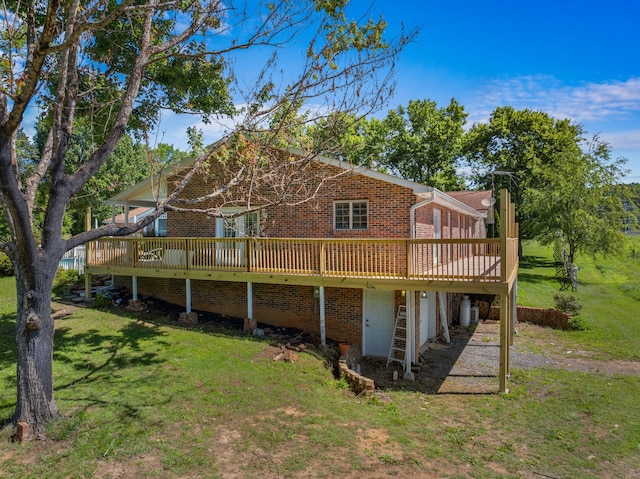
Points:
[379,317]
[427,318]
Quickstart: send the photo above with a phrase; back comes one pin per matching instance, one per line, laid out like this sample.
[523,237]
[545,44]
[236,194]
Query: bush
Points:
[577,323]
[567,303]
[65,279]
[6,267]
[102,299]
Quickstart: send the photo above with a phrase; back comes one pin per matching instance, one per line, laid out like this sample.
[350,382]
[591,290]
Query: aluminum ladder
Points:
[397,349]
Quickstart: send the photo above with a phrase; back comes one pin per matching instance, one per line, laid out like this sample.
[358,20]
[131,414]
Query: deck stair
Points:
[398,346]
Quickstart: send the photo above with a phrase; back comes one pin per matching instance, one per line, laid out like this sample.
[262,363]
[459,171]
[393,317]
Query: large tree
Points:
[113,66]
[577,203]
[563,186]
[513,148]
[422,142]
[419,142]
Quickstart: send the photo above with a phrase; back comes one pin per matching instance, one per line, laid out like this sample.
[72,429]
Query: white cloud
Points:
[584,103]
[624,140]
[610,108]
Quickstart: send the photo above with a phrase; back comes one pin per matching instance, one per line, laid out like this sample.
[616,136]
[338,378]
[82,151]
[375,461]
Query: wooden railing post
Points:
[187,252]
[505,209]
[322,258]
[408,274]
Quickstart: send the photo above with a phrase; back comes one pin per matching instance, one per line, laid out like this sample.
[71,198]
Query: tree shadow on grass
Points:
[530,262]
[91,356]
[123,349]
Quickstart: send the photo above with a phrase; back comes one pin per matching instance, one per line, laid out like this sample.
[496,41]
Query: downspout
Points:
[410,298]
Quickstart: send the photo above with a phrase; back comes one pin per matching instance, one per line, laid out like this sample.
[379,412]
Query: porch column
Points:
[410,336]
[188,295]
[134,287]
[250,300]
[323,331]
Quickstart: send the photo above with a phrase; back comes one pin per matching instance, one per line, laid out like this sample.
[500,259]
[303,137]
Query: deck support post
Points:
[410,336]
[250,300]
[87,255]
[505,320]
[514,309]
[188,295]
[134,287]
[87,286]
[323,329]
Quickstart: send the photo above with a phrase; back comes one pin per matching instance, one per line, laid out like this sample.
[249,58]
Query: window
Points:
[157,228]
[350,215]
[251,225]
[161,225]
[238,226]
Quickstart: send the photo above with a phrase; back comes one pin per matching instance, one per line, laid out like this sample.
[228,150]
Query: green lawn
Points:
[608,289]
[146,398]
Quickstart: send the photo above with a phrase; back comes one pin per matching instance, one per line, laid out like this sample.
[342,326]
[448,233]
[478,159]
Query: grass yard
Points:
[609,291]
[146,398]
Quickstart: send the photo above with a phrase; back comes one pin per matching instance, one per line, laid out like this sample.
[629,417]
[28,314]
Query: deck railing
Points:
[420,259]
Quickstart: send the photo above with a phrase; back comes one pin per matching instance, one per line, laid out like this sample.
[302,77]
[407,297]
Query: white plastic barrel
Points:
[465,311]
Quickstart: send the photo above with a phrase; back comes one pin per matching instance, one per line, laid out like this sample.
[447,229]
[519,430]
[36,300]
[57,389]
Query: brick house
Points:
[341,265]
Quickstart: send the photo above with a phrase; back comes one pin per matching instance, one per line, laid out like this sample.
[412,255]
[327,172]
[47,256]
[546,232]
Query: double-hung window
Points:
[351,215]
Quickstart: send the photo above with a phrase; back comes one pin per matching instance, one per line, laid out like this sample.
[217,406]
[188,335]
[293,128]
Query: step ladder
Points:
[398,346]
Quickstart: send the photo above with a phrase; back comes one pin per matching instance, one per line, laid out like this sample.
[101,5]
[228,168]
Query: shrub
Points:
[577,323]
[102,299]
[65,279]
[6,267]
[567,303]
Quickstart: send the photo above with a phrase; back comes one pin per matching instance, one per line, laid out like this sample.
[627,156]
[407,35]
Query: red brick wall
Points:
[453,224]
[551,318]
[278,305]
[389,206]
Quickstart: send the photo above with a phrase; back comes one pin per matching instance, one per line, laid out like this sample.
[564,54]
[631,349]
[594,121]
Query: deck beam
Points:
[389,284]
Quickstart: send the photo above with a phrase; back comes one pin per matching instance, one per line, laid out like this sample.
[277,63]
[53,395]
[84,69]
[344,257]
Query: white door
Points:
[379,316]
[232,253]
[427,317]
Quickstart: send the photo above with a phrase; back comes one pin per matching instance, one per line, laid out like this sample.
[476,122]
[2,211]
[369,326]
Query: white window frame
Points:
[350,203]
[239,223]
[232,253]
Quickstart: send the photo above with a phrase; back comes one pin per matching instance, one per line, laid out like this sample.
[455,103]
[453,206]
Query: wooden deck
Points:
[385,263]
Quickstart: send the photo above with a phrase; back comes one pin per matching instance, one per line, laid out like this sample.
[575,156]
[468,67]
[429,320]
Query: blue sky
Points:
[571,59]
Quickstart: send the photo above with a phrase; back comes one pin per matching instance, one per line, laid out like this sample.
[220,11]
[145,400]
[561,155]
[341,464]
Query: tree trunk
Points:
[34,339]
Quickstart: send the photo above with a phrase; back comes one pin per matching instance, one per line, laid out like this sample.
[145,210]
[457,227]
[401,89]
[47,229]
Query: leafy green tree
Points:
[112,67]
[423,142]
[353,138]
[419,142]
[560,191]
[127,165]
[577,203]
[513,148]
